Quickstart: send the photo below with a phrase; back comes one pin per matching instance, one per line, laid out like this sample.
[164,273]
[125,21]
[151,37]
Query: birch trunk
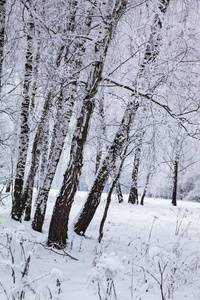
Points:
[59,221]
[41,141]
[35,159]
[72,60]
[60,129]
[101,134]
[58,231]
[2,31]
[18,204]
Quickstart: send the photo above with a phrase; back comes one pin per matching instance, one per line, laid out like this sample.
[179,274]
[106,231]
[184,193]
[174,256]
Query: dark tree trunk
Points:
[8,185]
[133,195]
[175,181]
[98,155]
[119,192]
[59,221]
[115,149]
[18,204]
[93,198]
[2,41]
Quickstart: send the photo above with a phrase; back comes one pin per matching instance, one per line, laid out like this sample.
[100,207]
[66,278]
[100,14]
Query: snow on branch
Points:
[149,96]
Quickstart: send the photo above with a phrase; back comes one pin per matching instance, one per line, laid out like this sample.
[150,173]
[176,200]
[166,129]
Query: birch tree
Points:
[110,12]
[18,203]
[45,155]
[59,97]
[71,57]
[115,149]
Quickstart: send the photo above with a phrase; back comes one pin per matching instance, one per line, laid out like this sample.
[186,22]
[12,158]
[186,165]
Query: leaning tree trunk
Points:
[60,132]
[40,144]
[35,158]
[73,63]
[175,180]
[18,204]
[41,140]
[115,149]
[38,141]
[59,221]
[58,231]
[94,195]
[58,227]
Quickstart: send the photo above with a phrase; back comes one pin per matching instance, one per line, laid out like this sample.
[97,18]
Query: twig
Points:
[26,267]
[4,291]
[154,219]
[65,253]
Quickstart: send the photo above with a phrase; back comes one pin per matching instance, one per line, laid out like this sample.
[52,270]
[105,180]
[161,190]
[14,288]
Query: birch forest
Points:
[100,96]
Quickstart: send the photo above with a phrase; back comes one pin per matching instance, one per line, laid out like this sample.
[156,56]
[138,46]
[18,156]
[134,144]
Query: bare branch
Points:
[149,96]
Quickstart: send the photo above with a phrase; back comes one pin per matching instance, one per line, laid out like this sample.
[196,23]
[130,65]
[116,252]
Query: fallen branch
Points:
[62,254]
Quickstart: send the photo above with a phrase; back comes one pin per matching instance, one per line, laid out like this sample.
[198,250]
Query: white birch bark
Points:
[18,203]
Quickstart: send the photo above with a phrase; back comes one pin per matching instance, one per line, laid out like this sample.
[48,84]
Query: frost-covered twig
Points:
[161,281]
[154,219]
[179,220]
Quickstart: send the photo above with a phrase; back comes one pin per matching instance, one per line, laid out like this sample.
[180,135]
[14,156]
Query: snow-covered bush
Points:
[102,275]
[165,270]
[15,258]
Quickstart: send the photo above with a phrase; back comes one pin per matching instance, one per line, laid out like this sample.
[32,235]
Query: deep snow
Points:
[146,253]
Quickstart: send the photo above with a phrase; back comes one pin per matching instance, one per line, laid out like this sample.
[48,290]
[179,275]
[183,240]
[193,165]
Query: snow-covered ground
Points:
[147,253]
